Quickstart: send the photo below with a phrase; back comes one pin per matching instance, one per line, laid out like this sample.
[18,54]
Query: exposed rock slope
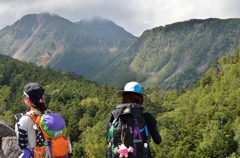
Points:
[8,142]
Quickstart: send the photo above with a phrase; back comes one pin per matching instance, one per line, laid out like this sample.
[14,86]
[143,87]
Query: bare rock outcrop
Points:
[5,129]
[8,142]
[10,148]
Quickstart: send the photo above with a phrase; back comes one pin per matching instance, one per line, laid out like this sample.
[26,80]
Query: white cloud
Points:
[134,16]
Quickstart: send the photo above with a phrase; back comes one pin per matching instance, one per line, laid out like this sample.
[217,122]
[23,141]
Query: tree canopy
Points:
[198,122]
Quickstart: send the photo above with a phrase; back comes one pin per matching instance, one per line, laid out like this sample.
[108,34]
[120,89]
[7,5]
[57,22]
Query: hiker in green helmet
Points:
[130,126]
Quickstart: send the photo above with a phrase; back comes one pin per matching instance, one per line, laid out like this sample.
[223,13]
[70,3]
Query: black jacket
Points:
[151,126]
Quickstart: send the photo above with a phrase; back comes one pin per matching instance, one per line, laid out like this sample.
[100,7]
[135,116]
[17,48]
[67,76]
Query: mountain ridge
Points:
[177,55]
[172,56]
[198,120]
[50,40]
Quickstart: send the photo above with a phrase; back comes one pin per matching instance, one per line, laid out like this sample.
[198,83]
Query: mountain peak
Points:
[104,27]
[43,15]
[95,19]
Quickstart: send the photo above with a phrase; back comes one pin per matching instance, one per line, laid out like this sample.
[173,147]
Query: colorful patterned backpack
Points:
[53,128]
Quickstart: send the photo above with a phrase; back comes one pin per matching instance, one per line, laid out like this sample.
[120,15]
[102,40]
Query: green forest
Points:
[199,122]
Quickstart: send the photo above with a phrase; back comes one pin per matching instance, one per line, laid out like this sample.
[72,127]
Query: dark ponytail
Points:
[41,106]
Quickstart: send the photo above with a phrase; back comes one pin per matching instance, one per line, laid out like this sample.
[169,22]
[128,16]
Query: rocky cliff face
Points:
[8,142]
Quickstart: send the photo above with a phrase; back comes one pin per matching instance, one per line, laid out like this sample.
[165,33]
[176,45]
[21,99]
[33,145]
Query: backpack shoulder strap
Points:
[36,118]
[137,112]
[32,115]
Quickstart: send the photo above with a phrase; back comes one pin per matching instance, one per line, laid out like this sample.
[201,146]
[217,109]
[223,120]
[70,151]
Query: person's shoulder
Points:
[25,121]
[148,115]
[25,118]
[149,118]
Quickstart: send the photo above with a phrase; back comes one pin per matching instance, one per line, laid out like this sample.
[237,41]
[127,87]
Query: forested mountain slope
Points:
[175,56]
[201,122]
[204,121]
[76,98]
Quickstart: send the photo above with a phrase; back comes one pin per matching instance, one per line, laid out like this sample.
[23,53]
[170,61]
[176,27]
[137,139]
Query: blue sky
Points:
[135,16]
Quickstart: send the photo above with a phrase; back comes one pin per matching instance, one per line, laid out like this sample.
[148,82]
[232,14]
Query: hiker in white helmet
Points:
[130,125]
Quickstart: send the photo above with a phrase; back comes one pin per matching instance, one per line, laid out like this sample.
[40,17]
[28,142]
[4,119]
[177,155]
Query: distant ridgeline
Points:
[173,57]
[177,55]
